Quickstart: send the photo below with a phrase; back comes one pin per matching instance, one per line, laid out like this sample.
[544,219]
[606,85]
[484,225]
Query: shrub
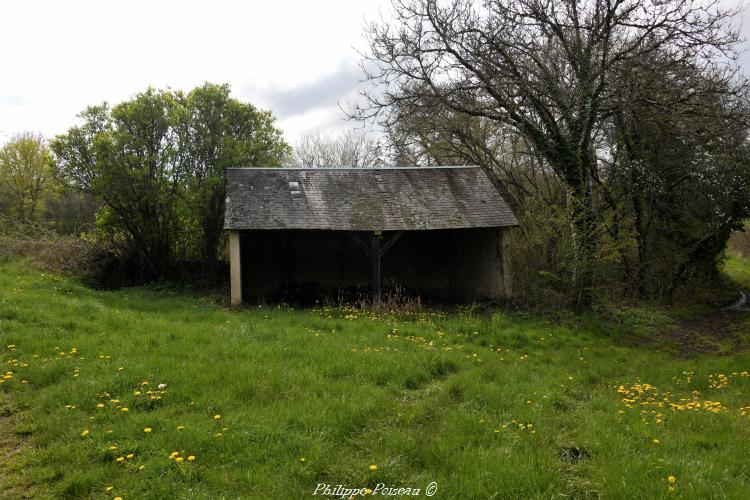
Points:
[65,254]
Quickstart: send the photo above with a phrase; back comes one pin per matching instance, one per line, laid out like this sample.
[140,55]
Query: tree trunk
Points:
[640,245]
[213,223]
[585,241]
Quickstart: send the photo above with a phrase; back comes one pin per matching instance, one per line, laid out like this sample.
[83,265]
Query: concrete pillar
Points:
[235,268]
[505,256]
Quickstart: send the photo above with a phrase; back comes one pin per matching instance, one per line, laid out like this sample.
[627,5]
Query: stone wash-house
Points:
[439,232]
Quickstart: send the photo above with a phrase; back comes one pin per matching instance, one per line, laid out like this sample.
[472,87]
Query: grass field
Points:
[270,402]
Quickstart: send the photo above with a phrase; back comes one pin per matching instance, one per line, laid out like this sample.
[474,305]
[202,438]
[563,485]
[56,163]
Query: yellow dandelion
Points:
[120,460]
[191,458]
[141,467]
[179,460]
[118,498]
[130,456]
[302,459]
[109,488]
[124,409]
[672,480]
[373,467]
[100,405]
[180,427]
[85,433]
[217,417]
[147,430]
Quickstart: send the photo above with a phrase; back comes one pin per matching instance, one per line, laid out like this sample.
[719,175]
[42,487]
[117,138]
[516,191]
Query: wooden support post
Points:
[375,255]
[235,268]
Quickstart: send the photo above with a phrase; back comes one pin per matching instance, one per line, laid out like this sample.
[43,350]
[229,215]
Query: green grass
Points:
[425,397]
[738,268]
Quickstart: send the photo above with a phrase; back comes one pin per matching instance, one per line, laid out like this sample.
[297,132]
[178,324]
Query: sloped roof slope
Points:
[361,199]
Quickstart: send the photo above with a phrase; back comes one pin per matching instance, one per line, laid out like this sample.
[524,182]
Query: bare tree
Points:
[436,135]
[548,68]
[354,148]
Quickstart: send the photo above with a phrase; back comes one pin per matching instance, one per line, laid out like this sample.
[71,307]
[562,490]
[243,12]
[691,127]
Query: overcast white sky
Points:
[294,57]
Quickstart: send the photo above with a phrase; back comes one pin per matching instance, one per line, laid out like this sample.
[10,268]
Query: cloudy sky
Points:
[298,58]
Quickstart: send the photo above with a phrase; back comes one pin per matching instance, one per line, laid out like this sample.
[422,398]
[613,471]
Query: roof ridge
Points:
[353,168]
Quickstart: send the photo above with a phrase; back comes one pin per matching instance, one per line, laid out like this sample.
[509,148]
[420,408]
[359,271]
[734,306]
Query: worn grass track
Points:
[487,406]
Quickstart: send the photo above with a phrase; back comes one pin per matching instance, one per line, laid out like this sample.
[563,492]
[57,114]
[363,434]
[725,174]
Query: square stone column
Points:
[235,268]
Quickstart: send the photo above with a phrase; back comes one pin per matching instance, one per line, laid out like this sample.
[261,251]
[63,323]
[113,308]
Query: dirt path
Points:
[724,331]
[742,303]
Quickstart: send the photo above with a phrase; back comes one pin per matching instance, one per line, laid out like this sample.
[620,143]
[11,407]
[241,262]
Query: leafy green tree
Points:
[127,157]
[215,131]
[157,163]
[26,166]
[679,170]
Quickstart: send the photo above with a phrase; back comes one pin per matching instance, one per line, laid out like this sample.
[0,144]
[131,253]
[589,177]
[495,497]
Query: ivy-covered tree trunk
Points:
[585,241]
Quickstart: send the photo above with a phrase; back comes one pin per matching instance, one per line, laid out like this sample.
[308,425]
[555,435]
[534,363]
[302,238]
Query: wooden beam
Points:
[235,268]
[360,243]
[375,256]
[388,244]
